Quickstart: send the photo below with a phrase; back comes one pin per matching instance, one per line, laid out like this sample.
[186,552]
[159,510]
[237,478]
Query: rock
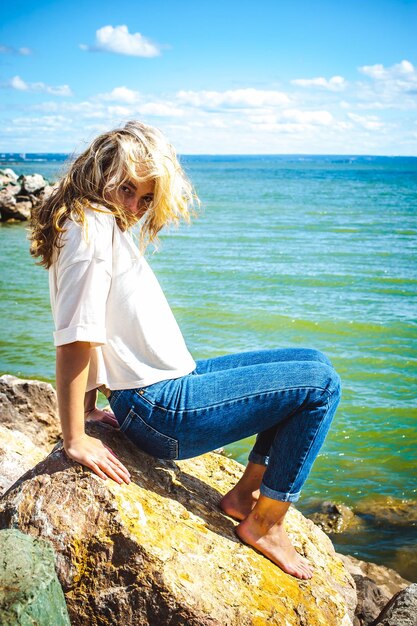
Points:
[46,192]
[160,551]
[12,207]
[405,559]
[9,186]
[30,592]
[9,173]
[23,210]
[30,407]
[389,511]
[7,201]
[333,518]
[370,601]
[33,183]
[401,610]
[17,455]
[375,586]
[387,579]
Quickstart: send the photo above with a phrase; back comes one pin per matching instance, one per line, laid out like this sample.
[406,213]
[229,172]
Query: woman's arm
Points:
[72,364]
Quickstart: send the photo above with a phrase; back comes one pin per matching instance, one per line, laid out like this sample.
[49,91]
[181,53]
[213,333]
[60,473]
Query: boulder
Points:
[10,186]
[401,610]
[17,455]
[387,579]
[333,517]
[30,407]
[160,551]
[7,203]
[9,174]
[389,511]
[370,601]
[30,592]
[22,210]
[375,586]
[32,183]
[13,206]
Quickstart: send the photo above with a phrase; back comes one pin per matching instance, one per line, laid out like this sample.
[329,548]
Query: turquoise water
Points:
[287,251]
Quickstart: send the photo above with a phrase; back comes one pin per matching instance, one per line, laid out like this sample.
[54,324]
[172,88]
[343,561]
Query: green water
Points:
[316,252]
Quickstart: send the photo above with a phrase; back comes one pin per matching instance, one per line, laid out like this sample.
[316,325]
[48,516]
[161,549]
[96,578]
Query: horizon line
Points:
[238,154]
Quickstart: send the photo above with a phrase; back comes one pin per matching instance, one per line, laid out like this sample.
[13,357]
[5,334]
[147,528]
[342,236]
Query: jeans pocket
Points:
[148,438]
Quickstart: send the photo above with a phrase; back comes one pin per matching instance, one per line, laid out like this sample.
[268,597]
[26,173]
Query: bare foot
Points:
[276,546]
[238,504]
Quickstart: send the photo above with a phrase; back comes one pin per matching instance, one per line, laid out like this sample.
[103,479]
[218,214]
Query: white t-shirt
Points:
[103,291]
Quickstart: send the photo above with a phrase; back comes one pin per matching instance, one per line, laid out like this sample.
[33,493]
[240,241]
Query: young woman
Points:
[115,332]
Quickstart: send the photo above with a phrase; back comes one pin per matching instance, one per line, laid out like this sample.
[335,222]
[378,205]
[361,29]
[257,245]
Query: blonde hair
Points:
[135,153]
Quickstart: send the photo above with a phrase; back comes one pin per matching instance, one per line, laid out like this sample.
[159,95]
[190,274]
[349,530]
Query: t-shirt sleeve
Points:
[84,272]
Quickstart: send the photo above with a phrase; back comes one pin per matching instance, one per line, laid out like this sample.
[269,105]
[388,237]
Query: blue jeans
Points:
[286,396]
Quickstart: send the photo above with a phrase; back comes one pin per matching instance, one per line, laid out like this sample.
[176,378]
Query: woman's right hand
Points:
[93,453]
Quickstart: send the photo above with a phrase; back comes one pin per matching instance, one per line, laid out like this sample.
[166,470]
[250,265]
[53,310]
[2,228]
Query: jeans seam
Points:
[237,399]
[171,441]
[126,422]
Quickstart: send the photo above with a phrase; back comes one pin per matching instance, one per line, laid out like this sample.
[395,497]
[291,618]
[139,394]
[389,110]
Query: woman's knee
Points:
[326,378]
[334,382]
[311,354]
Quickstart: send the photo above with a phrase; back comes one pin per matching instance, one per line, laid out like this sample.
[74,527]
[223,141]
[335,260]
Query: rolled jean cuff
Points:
[279,495]
[259,459]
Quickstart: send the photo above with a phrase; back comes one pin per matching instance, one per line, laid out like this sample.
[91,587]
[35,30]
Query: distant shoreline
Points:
[22,157]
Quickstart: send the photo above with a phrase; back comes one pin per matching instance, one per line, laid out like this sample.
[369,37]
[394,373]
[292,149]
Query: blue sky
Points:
[292,76]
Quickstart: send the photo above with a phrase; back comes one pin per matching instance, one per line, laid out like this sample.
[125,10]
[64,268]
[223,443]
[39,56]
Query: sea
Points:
[286,251]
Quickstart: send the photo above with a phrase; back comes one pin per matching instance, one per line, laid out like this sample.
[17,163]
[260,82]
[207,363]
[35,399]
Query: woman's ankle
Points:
[268,512]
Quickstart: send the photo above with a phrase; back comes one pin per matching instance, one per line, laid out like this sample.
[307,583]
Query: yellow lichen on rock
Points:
[161,547]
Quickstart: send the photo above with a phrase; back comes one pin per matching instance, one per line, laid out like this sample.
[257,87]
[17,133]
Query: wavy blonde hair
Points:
[132,154]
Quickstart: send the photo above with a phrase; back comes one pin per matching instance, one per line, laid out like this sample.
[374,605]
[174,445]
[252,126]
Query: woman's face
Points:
[136,198]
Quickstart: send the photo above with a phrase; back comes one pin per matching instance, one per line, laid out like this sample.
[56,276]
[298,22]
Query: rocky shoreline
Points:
[160,551]
[20,194]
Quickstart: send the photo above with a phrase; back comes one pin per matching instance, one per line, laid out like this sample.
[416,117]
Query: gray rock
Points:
[387,579]
[333,517]
[33,183]
[375,586]
[401,610]
[9,173]
[23,209]
[30,592]
[7,200]
[30,407]
[371,601]
[17,455]
[14,206]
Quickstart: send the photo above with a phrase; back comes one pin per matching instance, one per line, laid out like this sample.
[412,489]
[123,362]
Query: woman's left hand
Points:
[97,415]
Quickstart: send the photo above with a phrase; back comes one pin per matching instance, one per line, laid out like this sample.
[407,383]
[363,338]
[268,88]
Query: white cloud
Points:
[404,70]
[320,118]
[390,81]
[161,109]
[369,122]
[118,40]
[19,51]
[247,120]
[18,83]
[239,98]
[336,83]
[294,116]
[46,122]
[121,94]
[118,111]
